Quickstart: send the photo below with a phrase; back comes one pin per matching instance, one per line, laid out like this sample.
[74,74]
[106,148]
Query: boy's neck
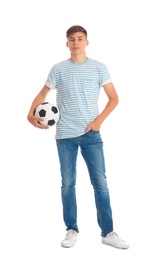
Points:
[79,58]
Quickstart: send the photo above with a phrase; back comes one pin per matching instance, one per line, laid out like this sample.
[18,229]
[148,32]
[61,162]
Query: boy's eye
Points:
[72,40]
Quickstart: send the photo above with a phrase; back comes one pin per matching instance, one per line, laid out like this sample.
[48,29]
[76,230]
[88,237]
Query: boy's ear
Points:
[67,44]
[87,43]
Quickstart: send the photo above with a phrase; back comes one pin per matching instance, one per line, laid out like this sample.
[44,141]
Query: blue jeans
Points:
[91,147]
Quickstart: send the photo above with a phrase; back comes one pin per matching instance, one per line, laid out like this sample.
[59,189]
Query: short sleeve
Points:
[51,79]
[104,75]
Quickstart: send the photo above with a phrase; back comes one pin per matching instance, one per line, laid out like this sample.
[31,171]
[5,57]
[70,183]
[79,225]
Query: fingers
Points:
[42,126]
[88,128]
[93,126]
[37,123]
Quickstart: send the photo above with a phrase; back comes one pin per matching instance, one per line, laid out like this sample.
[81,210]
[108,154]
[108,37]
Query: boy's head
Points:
[75,28]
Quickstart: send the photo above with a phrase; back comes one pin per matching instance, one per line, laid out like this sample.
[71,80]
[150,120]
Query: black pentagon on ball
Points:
[51,122]
[54,109]
[42,113]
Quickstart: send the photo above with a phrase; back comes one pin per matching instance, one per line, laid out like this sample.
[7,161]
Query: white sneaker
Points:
[70,238]
[113,239]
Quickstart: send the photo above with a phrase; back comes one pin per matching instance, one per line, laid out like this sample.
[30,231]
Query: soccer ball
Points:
[49,112]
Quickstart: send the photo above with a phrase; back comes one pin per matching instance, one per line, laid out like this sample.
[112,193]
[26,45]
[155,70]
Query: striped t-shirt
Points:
[78,87]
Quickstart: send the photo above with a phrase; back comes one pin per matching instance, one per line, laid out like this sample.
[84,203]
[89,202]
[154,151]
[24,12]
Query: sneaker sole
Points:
[114,245]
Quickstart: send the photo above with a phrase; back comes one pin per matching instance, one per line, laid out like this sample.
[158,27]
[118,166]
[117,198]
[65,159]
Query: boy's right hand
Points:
[35,122]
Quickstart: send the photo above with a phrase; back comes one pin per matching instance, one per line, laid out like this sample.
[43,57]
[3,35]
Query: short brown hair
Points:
[75,28]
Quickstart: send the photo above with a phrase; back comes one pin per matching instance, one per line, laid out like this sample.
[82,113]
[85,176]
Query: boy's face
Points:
[77,43]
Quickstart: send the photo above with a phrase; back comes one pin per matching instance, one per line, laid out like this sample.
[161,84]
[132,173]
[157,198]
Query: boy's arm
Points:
[38,100]
[111,104]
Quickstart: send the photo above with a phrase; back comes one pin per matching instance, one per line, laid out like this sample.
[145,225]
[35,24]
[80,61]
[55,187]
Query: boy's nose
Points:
[75,42]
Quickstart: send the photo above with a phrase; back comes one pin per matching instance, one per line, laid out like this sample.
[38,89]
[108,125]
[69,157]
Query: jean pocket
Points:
[93,131]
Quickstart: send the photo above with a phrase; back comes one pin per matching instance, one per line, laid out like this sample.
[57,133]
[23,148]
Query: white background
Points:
[127,36]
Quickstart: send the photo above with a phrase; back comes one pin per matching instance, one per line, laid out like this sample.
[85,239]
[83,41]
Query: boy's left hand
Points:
[94,126]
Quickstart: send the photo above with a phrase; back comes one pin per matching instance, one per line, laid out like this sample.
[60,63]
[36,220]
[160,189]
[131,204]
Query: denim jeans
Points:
[91,147]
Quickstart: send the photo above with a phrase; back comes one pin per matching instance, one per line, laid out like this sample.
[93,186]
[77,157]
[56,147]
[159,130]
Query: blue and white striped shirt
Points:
[78,87]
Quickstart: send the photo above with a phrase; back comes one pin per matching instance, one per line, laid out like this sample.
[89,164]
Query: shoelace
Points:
[70,234]
[115,235]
